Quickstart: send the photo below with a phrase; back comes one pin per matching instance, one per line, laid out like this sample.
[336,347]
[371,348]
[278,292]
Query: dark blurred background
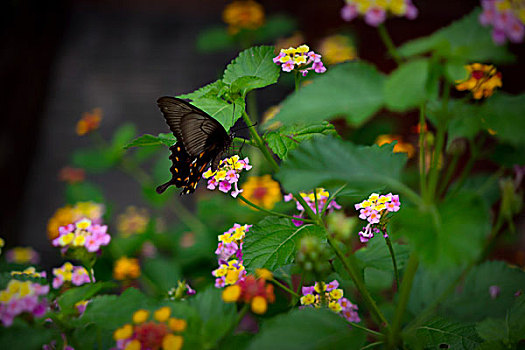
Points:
[62,58]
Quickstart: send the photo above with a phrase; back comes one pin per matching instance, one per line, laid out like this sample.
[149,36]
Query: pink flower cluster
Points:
[319,293]
[229,255]
[67,273]
[82,234]
[309,198]
[226,176]
[300,58]
[371,210]
[22,297]
[375,11]
[507,19]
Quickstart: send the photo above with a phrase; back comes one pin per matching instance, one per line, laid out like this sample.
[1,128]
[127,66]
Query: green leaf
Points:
[83,191]
[464,40]
[151,140]
[378,279]
[214,39]
[509,329]
[353,90]
[442,333]
[276,26]
[333,162]
[405,88]
[216,316]
[308,329]
[217,88]
[287,138]
[504,114]
[474,302]
[163,272]
[23,336]
[254,62]
[70,297]
[376,254]
[226,113]
[122,136]
[94,160]
[272,242]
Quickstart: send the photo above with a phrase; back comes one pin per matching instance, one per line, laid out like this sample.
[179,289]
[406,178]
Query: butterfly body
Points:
[201,140]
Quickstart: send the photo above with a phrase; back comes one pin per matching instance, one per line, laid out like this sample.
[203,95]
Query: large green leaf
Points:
[465,40]
[151,140]
[255,62]
[353,90]
[441,333]
[308,329]
[272,242]
[376,254]
[447,235]
[163,272]
[225,112]
[217,88]
[509,329]
[332,162]
[505,115]
[287,138]
[406,87]
[23,336]
[473,302]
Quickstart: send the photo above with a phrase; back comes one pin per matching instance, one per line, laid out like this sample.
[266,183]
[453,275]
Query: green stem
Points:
[422,168]
[391,250]
[372,345]
[251,105]
[350,266]
[271,212]
[387,40]
[297,79]
[404,294]
[283,287]
[259,141]
[368,330]
[448,175]
[307,209]
[467,168]
[331,198]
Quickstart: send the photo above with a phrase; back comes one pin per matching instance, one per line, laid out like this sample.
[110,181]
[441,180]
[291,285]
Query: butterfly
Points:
[200,140]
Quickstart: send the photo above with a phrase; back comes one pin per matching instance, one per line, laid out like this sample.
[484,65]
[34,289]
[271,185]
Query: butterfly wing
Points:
[200,140]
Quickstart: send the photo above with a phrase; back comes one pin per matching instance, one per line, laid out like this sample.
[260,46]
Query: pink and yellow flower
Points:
[300,59]
[227,175]
[375,12]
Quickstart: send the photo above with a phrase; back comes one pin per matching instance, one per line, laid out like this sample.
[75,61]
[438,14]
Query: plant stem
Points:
[448,175]
[372,345]
[259,141]
[368,330]
[307,209]
[271,212]
[387,40]
[283,287]
[251,105]
[422,168]
[351,267]
[331,198]
[391,250]
[468,167]
[404,294]
[297,79]
[233,326]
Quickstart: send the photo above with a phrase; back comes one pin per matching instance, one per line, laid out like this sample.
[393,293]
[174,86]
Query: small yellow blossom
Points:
[172,342]
[177,325]
[123,332]
[336,49]
[262,191]
[231,294]
[259,305]
[307,299]
[162,314]
[264,274]
[140,316]
[336,294]
[335,306]
[133,345]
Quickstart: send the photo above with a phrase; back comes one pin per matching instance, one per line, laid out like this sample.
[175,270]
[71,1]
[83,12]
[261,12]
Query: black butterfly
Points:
[200,140]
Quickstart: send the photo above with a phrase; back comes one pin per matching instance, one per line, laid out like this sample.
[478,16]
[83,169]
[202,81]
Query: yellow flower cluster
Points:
[336,49]
[29,272]
[126,269]
[132,221]
[232,270]
[17,290]
[243,15]
[159,334]
[69,214]
[22,255]
[482,80]
[396,7]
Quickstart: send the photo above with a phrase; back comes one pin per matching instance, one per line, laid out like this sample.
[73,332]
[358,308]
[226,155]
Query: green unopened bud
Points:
[511,203]
[340,226]
[312,258]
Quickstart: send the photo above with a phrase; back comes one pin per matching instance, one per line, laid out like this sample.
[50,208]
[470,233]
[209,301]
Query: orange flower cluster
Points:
[262,191]
[253,291]
[90,121]
[482,80]
[126,269]
[243,15]
[400,147]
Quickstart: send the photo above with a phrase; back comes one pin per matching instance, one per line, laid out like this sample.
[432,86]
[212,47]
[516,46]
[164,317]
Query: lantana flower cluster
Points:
[226,176]
[69,274]
[126,268]
[373,210]
[90,121]
[68,214]
[229,254]
[253,291]
[375,12]
[300,59]
[82,234]
[22,255]
[329,294]
[309,198]
[163,332]
[133,221]
[507,18]
[482,80]
[22,297]
[262,191]
[245,14]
